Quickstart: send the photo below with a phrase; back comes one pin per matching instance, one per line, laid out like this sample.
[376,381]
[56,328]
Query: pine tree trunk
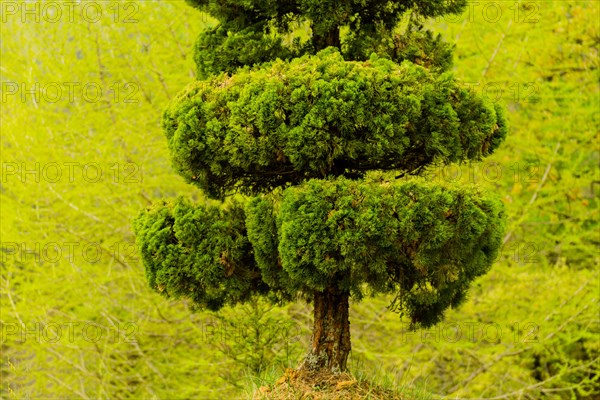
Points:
[331,333]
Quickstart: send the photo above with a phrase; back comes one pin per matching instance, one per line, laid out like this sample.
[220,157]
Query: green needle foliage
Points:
[253,32]
[299,122]
[421,242]
[198,252]
[319,116]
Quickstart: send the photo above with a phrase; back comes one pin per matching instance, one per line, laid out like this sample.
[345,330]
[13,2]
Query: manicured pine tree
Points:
[307,108]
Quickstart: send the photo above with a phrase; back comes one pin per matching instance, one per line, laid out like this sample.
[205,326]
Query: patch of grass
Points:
[382,378]
[305,385]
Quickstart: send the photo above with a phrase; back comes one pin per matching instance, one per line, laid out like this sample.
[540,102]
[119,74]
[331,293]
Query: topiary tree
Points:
[309,109]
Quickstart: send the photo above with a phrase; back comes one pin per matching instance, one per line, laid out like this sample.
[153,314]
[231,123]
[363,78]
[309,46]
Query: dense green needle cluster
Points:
[298,121]
[421,242]
[253,32]
[320,116]
[424,243]
[198,252]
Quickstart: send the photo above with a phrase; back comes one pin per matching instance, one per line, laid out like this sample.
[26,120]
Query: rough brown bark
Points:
[331,333]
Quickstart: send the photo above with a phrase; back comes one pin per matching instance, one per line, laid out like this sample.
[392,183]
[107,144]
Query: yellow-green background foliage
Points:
[69,269]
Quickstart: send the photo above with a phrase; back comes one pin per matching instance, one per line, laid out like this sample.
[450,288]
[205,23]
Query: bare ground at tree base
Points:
[304,385]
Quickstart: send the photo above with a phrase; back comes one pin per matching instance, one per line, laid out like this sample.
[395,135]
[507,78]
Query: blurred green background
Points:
[83,87]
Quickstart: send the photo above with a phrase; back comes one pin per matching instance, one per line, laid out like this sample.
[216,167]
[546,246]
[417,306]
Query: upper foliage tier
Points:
[251,32]
[319,116]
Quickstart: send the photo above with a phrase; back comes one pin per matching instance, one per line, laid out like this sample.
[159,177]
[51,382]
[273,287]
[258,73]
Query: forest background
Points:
[83,88]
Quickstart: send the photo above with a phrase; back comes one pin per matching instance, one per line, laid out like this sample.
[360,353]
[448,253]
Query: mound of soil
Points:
[306,385]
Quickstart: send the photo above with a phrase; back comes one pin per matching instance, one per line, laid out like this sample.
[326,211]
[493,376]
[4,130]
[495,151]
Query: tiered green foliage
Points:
[422,243]
[254,32]
[320,116]
[306,126]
